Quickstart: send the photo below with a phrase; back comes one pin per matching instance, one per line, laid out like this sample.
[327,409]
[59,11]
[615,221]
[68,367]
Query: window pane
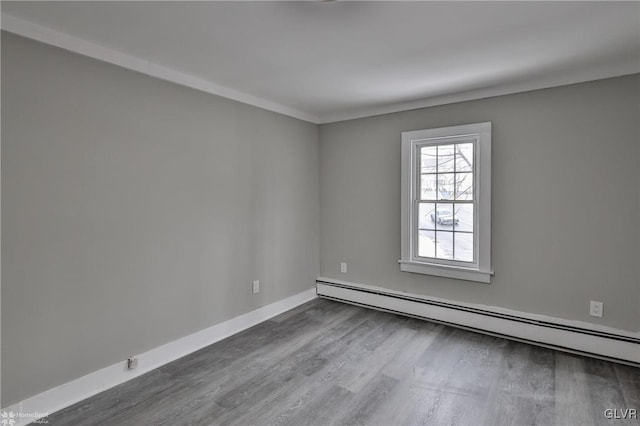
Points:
[464,157]
[445,158]
[464,247]
[426,212]
[444,245]
[428,159]
[464,186]
[428,184]
[463,217]
[442,216]
[446,186]
[426,244]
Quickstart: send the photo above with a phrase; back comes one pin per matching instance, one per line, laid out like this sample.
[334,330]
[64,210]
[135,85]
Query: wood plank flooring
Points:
[328,363]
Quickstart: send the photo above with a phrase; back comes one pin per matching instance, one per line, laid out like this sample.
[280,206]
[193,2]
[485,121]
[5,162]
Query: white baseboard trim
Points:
[62,396]
[571,336]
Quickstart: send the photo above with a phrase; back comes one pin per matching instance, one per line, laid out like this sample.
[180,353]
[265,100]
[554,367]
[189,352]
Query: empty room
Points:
[315,213]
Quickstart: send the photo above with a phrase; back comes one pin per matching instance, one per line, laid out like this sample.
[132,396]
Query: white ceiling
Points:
[329,61]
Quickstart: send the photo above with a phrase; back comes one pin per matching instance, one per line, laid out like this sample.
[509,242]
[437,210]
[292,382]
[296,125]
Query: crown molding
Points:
[619,69]
[74,44]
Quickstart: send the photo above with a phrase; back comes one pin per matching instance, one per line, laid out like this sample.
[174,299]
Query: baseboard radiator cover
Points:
[618,347]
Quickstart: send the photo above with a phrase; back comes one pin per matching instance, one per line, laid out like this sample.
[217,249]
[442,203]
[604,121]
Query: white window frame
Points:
[480,269]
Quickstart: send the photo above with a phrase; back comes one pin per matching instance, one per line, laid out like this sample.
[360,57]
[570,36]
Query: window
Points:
[446,202]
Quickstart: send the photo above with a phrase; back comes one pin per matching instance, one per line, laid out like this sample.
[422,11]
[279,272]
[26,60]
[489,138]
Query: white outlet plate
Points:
[256,286]
[595,309]
[132,363]
[343,267]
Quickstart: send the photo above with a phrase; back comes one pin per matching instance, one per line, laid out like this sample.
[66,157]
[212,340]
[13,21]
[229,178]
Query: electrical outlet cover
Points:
[595,309]
[132,363]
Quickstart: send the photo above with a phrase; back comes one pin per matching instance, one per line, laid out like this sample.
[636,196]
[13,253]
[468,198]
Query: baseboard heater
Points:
[590,342]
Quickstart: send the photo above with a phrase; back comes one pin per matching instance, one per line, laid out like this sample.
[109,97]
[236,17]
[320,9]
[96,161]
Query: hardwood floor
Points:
[331,363]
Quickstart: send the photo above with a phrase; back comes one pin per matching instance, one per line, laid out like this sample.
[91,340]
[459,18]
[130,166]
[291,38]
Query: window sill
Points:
[446,271]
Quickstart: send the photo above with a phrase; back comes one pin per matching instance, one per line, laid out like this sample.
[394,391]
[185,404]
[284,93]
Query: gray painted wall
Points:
[136,211]
[565,212]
